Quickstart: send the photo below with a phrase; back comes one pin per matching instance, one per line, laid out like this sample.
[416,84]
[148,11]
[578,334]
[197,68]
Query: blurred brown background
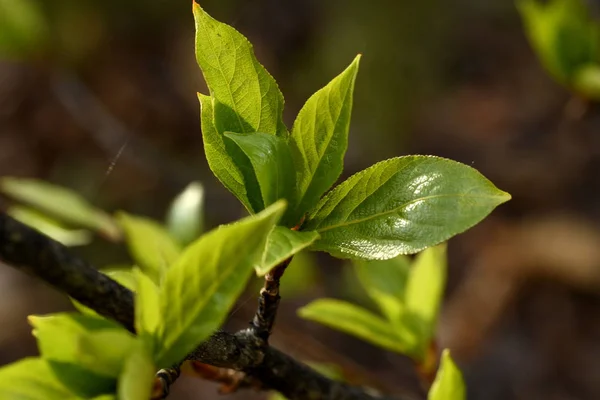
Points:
[453,78]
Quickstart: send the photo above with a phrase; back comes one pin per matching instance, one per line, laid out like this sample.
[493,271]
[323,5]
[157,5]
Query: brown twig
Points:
[268,303]
[26,249]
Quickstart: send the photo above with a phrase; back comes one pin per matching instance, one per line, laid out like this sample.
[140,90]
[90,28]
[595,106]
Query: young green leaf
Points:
[137,376]
[265,160]
[60,203]
[281,245]
[448,384]
[147,305]
[50,227]
[185,218]
[358,322]
[219,160]
[385,282]
[424,291]
[320,138]
[247,97]
[563,34]
[401,206]
[96,344]
[151,246]
[85,353]
[201,287]
[32,379]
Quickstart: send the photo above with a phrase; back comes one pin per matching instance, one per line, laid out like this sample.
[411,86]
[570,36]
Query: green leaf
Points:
[147,305]
[219,160]
[448,384]
[587,81]
[266,162]
[137,377]
[86,353]
[60,203]
[151,246]
[320,138]
[23,28]
[50,227]
[401,206]
[424,292]
[563,34]
[385,282]
[247,97]
[185,218]
[356,321]
[201,287]
[281,245]
[31,379]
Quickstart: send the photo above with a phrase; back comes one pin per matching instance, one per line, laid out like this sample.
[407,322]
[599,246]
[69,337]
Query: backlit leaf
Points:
[204,283]
[281,245]
[137,377]
[320,138]
[60,203]
[185,218]
[150,245]
[424,292]
[356,321]
[31,379]
[247,97]
[449,383]
[50,227]
[385,282]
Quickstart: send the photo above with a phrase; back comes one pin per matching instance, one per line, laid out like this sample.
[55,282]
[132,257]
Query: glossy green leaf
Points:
[401,206]
[356,321]
[247,97]
[137,377]
[201,287]
[563,34]
[147,305]
[320,138]
[424,292]
[449,383]
[219,160]
[50,227]
[281,245]
[85,353]
[60,203]
[185,218]
[31,379]
[150,245]
[385,282]
[265,160]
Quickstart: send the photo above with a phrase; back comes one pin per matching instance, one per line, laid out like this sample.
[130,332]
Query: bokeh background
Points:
[83,81]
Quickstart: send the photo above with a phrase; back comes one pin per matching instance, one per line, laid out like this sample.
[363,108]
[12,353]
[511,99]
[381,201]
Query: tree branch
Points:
[28,250]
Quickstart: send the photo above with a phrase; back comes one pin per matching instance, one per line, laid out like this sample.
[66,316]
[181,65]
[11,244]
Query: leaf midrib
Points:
[321,156]
[396,209]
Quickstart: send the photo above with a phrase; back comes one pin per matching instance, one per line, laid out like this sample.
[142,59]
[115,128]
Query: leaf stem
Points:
[268,303]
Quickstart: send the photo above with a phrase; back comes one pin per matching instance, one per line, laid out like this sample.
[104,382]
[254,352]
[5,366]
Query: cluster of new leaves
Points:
[185,285]
[408,296]
[398,206]
[567,41]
